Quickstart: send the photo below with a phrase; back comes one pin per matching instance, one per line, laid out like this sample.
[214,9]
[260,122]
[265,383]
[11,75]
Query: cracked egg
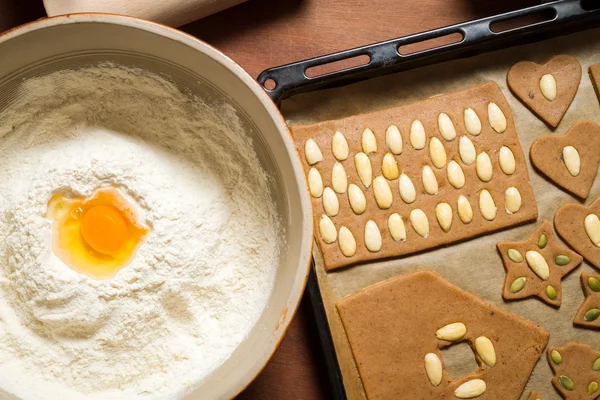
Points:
[97,235]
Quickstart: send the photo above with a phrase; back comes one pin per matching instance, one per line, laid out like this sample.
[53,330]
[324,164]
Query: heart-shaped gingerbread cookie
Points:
[579,226]
[548,89]
[571,160]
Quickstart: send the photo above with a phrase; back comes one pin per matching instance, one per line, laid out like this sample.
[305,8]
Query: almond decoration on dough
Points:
[579,226]
[442,170]
[571,160]
[548,89]
[536,266]
[444,315]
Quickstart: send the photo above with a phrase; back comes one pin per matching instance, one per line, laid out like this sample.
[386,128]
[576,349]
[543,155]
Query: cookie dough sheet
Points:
[473,265]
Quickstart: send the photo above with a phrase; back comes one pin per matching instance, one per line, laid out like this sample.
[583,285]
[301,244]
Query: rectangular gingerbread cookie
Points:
[415,177]
[397,329]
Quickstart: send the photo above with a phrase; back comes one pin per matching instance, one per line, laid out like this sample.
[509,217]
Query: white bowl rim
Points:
[305,258]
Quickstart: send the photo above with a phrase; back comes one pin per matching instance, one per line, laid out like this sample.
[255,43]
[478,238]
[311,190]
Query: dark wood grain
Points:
[265,33]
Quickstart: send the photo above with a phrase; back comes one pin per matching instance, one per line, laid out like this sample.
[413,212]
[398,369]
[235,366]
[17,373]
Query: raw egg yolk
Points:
[104,229]
[96,235]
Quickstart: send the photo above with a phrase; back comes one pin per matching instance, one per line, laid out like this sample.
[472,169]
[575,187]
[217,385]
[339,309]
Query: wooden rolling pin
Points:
[169,12]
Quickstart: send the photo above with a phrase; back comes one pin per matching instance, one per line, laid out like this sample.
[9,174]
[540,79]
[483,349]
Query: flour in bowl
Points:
[195,288]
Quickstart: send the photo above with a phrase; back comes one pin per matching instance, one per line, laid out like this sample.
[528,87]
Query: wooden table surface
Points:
[265,33]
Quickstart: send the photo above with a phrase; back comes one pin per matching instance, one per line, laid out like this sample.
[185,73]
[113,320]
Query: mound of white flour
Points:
[195,288]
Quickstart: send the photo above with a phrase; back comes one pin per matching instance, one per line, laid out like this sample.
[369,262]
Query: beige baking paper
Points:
[474,265]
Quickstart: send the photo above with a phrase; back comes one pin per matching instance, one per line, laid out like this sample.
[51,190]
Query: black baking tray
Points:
[557,18]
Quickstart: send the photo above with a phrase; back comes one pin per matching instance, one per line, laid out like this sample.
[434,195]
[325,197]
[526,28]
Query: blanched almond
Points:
[433,368]
[437,152]
[512,200]
[419,222]
[486,351]
[572,160]
[496,118]
[372,236]
[339,179]
[472,122]
[452,332]
[347,242]
[471,389]
[506,158]
[315,183]
[358,201]
[456,176]
[548,87]
[466,150]
[312,152]
[339,146]
[538,264]
[484,167]
[396,227]
[446,127]
[389,167]
[393,139]
[417,135]
[331,205]
[430,183]
[443,213]
[465,211]
[327,229]
[487,206]
[368,141]
[382,192]
[363,168]
[407,189]
[592,228]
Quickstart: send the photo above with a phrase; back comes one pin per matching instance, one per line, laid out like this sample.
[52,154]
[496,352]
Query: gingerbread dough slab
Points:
[576,369]
[579,226]
[536,266]
[588,315]
[547,90]
[397,328]
[571,161]
[415,177]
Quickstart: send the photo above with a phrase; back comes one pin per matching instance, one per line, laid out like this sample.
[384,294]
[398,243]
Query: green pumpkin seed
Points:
[596,365]
[562,260]
[514,255]
[593,388]
[566,382]
[551,292]
[592,314]
[542,242]
[556,357]
[594,284]
[518,285]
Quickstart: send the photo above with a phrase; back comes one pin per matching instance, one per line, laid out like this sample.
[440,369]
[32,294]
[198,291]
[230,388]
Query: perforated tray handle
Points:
[569,16]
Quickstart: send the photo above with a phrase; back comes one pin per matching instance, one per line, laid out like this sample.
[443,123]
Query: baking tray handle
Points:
[477,37]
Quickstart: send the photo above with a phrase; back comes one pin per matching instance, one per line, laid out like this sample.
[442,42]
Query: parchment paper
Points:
[474,265]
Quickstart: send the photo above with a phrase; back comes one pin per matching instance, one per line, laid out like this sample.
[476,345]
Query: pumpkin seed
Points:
[566,382]
[562,260]
[593,388]
[515,255]
[596,365]
[518,285]
[556,357]
[594,284]
[551,292]
[543,241]
[592,314]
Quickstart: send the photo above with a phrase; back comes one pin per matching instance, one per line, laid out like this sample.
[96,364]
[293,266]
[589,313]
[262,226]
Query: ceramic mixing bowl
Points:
[70,42]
